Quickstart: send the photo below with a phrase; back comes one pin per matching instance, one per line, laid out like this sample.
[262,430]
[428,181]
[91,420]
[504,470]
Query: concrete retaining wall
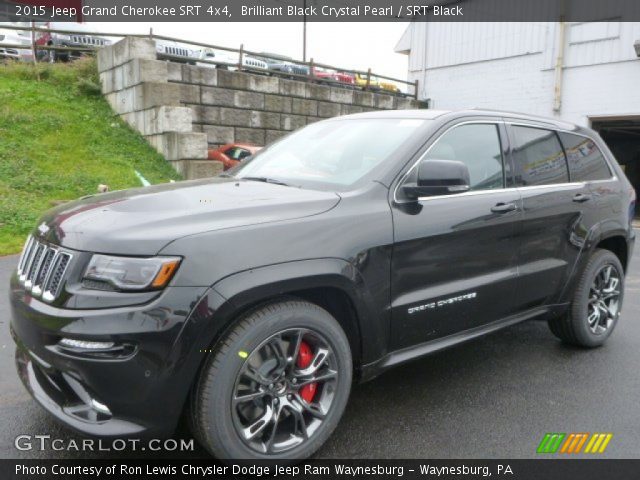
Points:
[183,109]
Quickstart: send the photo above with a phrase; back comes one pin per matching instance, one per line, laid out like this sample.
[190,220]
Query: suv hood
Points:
[141,221]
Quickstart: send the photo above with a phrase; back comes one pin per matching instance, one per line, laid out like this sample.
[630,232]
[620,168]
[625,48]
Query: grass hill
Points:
[59,140]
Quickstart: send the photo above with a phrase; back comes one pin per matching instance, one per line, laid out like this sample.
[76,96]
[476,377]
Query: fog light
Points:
[85,345]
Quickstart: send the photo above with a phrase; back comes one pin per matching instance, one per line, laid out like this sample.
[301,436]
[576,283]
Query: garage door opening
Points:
[622,135]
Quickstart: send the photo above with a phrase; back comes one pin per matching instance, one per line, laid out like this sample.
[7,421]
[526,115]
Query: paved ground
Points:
[494,397]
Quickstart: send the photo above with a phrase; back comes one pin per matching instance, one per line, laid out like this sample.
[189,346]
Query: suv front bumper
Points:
[137,391]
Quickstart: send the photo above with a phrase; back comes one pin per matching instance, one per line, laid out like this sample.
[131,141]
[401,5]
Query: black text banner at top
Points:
[320,10]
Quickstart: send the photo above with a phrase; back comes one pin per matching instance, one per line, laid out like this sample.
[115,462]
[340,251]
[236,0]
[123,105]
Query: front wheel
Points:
[596,304]
[276,386]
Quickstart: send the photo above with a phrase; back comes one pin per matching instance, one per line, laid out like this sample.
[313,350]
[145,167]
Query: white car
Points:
[175,52]
[15,37]
[84,38]
[229,60]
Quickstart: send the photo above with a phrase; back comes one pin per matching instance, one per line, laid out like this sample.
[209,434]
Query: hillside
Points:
[59,140]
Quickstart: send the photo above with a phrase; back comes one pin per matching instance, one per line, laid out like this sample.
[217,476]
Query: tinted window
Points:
[538,157]
[585,158]
[478,147]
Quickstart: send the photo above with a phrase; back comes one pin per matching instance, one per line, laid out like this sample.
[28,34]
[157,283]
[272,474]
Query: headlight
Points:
[130,273]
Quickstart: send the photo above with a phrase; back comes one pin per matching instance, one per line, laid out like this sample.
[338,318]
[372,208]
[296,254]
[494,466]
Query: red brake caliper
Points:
[305,356]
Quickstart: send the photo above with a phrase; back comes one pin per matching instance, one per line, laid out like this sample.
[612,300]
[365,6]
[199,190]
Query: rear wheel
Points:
[596,304]
[276,386]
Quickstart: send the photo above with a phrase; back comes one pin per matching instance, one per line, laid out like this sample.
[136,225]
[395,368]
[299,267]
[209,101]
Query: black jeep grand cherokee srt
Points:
[250,302]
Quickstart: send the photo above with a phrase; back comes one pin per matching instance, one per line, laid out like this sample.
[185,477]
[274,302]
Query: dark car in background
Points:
[249,303]
[288,67]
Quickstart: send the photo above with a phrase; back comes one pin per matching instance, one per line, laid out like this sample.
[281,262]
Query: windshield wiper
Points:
[265,180]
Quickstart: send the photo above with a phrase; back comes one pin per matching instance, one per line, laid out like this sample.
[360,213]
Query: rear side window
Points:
[478,147]
[538,157]
[586,161]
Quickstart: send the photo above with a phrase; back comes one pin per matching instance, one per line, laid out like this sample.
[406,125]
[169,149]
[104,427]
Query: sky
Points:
[348,45]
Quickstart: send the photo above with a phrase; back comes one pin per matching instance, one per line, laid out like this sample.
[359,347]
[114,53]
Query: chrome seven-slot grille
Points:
[178,52]
[87,40]
[41,269]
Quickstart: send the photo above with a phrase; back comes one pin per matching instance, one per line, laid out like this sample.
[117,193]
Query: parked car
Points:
[86,38]
[207,54]
[254,63]
[228,60]
[232,154]
[252,301]
[15,37]
[288,67]
[325,74]
[388,86]
[345,78]
[361,80]
[176,52]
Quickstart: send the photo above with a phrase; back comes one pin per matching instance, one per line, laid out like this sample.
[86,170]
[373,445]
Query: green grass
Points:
[59,140]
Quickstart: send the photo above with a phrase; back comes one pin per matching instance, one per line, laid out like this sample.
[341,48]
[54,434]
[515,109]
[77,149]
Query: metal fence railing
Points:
[368,80]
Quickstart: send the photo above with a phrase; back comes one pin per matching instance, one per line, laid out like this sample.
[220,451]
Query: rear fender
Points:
[599,232]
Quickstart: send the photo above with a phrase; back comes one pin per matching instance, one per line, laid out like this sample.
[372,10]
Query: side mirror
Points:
[438,177]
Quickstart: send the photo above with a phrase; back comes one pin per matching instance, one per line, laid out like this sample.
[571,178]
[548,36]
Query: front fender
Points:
[246,289]
[228,298]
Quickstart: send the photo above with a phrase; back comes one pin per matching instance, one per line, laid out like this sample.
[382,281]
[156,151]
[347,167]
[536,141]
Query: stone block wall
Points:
[231,106]
[184,109]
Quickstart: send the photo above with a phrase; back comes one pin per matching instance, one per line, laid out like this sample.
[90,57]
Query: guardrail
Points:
[370,77]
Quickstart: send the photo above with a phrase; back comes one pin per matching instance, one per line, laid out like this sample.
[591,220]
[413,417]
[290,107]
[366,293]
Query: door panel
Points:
[453,265]
[553,231]
[454,259]
[557,215]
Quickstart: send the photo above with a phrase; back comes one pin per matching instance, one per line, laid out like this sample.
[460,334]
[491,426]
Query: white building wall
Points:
[510,66]
[601,91]
[498,84]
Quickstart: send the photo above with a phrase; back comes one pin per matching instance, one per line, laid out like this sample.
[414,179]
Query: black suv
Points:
[250,302]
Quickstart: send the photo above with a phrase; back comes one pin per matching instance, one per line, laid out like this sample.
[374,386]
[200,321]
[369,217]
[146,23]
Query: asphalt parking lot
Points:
[491,398]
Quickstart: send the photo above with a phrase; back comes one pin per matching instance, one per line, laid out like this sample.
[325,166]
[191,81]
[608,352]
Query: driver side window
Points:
[478,147]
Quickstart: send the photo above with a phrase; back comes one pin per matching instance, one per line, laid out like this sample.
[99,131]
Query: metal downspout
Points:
[557,88]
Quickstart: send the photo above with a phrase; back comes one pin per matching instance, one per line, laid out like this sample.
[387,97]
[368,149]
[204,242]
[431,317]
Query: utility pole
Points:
[304,30]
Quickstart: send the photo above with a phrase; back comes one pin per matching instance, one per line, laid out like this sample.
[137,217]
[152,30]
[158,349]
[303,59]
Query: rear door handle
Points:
[582,197]
[504,207]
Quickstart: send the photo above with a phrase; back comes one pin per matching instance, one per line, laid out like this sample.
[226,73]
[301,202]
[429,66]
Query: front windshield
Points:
[333,154]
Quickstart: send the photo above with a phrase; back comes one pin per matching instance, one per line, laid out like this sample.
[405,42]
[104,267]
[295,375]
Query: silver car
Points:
[10,38]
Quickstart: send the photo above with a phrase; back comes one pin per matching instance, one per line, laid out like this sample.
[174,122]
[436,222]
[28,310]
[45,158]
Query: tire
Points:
[582,325]
[223,426]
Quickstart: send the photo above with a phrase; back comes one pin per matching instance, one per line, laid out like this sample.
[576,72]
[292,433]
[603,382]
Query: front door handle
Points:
[504,208]
[582,197]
